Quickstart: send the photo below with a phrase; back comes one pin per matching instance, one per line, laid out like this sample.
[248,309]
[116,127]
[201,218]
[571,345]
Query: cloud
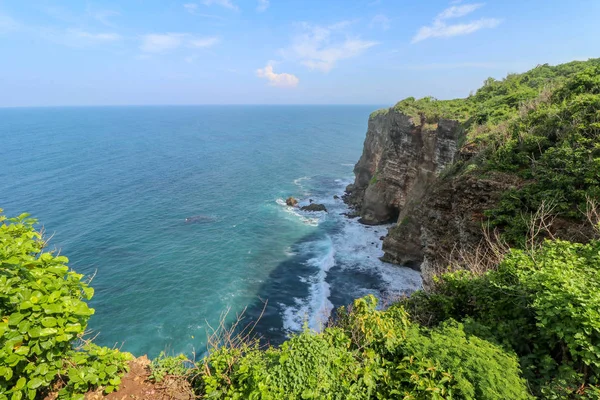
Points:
[441,29]
[159,43]
[280,80]
[458,11]
[321,48]
[8,24]
[190,7]
[203,42]
[380,21]
[94,37]
[222,3]
[104,16]
[262,5]
[164,42]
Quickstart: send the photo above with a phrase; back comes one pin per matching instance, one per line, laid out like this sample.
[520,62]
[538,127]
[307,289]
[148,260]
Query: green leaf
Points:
[35,383]
[49,322]
[20,383]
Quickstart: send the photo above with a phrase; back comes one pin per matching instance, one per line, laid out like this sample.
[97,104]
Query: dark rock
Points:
[292,202]
[314,207]
[310,200]
[381,237]
[336,197]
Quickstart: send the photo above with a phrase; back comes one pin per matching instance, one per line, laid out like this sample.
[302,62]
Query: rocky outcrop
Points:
[291,202]
[401,157]
[314,207]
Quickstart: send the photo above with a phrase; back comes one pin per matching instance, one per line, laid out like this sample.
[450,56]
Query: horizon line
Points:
[193,105]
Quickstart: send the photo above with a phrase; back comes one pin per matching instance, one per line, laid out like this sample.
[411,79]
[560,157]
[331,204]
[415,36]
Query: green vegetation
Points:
[43,318]
[163,366]
[543,304]
[374,178]
[368,354]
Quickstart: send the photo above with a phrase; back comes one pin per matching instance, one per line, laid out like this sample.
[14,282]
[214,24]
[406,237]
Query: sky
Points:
[168,52]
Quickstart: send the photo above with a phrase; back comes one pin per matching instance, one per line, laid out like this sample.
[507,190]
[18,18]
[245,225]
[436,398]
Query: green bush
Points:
[43,317]
[163,366]
[369,354]
[543,305]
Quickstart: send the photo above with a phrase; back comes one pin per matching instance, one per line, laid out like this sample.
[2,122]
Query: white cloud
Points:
[380,21]
[203,42]
[190,7]
[7,23]
[222,3]
[164,42]
[280,80]
[159,43]
[322,47]
[440,28]
[104,16]
[458,11]
[262,5]
[95,37]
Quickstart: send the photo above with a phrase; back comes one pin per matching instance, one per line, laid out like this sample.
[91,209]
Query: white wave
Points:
[359,247]
[298,181]
[353,247]
[316,309]
[311,221]
[289,252]
[294,317]
[347,165]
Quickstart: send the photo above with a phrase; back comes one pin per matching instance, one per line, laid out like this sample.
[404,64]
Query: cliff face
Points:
[438,216]
[401,157]
[446,219]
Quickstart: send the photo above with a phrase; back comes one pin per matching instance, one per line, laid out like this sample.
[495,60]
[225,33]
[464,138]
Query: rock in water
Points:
[314,207]
[292,202]
[336,197]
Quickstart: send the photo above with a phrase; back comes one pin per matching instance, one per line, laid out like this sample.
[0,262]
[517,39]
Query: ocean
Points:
[114,186]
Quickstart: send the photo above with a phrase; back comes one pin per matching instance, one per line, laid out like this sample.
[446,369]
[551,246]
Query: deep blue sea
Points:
[114,186]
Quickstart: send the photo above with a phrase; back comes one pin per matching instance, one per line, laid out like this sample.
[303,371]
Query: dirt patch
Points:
[136,386]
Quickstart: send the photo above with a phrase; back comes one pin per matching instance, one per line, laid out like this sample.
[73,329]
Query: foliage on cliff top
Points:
[369,354]
[543,126]
[553,144]
[43,316]
[543,304]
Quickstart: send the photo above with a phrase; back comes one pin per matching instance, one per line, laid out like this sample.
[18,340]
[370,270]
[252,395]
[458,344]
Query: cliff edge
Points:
[402,155]
[520,152]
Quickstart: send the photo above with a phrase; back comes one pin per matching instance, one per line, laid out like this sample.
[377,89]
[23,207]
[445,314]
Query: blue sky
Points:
[75,52]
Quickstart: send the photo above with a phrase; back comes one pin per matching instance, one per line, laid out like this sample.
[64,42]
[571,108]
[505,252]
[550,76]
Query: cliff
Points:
[444,170]
[397,179]
[402,155]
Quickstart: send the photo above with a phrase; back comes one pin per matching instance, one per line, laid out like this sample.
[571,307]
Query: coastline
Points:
[335,263]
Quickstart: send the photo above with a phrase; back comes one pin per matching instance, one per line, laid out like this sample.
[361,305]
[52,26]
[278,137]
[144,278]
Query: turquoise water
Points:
[116,184]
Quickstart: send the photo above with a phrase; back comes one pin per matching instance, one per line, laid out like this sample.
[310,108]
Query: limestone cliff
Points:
[410,173]
[401,157]
[398,179]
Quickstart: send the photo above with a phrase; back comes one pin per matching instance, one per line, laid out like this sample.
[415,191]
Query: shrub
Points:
[543,304]
[43,316]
